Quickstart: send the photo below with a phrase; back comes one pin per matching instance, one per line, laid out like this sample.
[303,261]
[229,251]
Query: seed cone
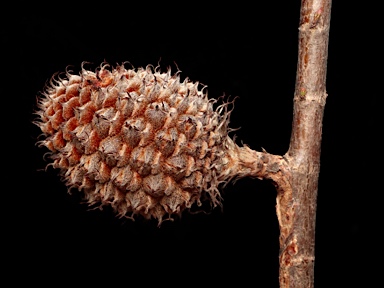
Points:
[137,139]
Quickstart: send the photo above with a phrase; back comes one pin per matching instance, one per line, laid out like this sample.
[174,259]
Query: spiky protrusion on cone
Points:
[137,139]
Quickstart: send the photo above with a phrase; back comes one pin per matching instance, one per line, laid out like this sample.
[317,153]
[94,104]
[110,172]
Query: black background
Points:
[237,49]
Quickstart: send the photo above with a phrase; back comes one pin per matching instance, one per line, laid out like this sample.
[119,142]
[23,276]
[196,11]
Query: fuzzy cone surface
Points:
[136,139]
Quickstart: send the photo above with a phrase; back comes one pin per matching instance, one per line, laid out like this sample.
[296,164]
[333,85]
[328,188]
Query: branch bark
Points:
[297,212]
[296,173]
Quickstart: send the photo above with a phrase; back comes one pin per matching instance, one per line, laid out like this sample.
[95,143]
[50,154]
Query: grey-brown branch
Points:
[296,173]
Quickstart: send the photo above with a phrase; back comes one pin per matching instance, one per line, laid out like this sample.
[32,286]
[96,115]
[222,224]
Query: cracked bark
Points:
[296,173]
